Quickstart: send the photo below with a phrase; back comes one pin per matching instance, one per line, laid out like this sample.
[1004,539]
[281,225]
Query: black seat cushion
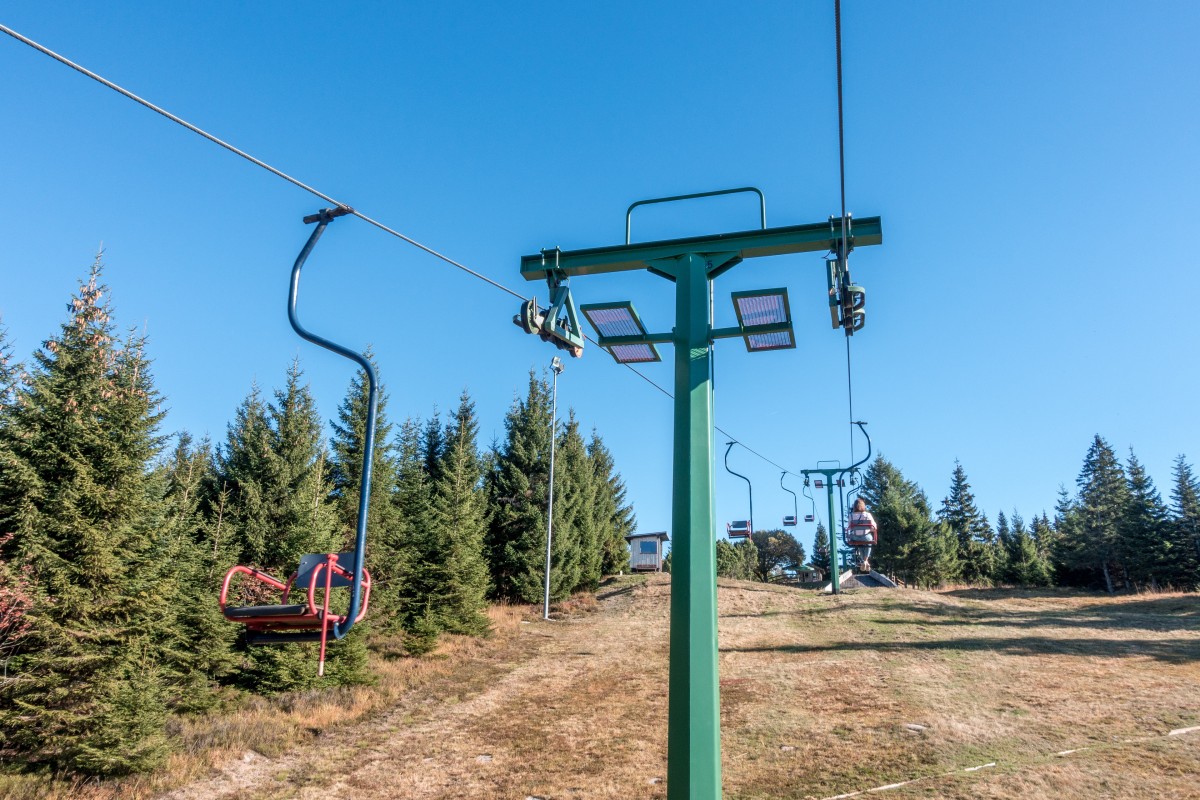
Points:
[250,612]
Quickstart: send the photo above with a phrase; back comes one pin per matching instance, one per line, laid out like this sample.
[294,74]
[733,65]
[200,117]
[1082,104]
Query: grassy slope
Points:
[820,696]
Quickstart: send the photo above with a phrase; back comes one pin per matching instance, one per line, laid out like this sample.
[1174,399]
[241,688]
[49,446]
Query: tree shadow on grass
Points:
[1173,652]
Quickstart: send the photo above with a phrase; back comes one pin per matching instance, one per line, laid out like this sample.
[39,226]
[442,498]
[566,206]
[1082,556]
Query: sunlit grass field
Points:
[954,694]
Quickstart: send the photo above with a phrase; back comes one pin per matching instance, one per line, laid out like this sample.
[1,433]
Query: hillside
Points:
[821,696]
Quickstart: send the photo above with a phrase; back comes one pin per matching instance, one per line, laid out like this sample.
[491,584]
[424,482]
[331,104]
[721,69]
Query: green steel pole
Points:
[833,545]
[693,728]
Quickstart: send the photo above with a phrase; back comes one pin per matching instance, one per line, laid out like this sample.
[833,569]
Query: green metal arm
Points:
[809,238]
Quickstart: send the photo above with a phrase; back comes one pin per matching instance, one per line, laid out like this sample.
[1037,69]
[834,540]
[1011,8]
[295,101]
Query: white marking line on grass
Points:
[914,780]
[1176,732]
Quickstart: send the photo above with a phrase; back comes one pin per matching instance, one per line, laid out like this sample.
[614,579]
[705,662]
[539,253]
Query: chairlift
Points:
[318,574]
[738,529]
[789,521]
[804,489]
[741,528]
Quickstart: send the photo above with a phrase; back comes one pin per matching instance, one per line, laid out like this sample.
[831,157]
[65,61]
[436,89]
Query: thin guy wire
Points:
[300,184]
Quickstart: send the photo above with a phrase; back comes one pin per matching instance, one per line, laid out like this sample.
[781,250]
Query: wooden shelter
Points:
[646,551]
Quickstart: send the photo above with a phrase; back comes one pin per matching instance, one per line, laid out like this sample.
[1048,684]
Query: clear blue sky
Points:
[1035,165]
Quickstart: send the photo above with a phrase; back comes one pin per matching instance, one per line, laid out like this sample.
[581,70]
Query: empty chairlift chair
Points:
[310,620]
[315,618]
[738,529]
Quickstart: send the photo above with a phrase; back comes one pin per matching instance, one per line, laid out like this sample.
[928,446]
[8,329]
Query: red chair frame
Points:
[312,617]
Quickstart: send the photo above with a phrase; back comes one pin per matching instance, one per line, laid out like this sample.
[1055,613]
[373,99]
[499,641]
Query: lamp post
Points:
[556,366]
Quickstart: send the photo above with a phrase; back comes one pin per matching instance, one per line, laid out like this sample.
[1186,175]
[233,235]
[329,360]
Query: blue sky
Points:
[1034,164]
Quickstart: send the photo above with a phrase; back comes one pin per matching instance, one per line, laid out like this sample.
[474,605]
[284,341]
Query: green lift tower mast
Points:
[694,735]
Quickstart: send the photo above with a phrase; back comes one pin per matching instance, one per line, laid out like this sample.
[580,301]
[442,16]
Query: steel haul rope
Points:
[301,185]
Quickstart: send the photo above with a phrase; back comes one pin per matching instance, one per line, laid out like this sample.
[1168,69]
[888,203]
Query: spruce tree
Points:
[1041,572]
[244,468]
[612,516]
[517,495]
[75,495]
[976,541]
[1144,534]
[1103,500]
[383,563]
[198,647]
[459,514]
[574,507]
[1023,564]
[820,556]
[910,544]
[1184,530]
[416,547]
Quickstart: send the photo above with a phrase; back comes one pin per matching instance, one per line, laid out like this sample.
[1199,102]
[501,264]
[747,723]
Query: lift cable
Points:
[300,184]
[837,24]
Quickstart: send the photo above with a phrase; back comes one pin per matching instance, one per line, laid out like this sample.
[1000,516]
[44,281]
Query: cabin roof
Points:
[660,535]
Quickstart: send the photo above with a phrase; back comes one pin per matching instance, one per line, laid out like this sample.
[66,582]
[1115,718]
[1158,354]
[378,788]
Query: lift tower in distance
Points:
[693,730]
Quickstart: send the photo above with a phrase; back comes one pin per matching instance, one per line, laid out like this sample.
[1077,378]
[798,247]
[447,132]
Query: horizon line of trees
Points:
[115,538]
[1115,533]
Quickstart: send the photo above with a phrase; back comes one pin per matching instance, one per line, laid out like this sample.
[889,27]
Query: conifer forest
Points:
[115,535]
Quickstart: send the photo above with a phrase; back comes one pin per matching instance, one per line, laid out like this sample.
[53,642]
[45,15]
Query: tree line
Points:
[1114,533]
[115,538]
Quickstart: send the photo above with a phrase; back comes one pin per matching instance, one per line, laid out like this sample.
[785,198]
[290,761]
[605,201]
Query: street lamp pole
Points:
[556,366]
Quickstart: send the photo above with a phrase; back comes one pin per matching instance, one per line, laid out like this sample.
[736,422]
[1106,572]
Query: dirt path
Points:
[821,696]
[546,718]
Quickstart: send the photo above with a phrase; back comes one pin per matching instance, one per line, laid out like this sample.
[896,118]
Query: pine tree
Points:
[574,504]
[417,547]
[1023,564]
[1103,499]
[612,517]
[459,513]
[432,443]
[1144,536]
[910,543]
[820,556]
[385,564]
[245,467]
[1042,533]
[1184,530]
[76,496]
[976,541]
[517,495]
[198,650]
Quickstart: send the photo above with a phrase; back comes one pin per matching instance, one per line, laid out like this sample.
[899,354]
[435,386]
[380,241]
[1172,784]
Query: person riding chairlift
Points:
[863,533]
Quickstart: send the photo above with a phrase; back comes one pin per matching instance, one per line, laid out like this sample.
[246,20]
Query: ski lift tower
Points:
[764,322]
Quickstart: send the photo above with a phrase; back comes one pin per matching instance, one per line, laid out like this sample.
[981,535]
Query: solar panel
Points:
[620,319]
[765,307]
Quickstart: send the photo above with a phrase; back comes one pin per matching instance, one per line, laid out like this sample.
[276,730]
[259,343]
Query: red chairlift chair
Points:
[319,573]
[308,621]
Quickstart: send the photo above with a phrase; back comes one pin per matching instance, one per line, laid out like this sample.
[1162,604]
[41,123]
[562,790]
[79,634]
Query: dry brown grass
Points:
[820,696]
[261,729]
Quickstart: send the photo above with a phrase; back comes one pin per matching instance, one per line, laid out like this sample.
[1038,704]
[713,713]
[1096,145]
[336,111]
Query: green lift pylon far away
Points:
[693,731]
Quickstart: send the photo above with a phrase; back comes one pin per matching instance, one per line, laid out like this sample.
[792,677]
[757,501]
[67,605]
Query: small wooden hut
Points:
[646,551]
